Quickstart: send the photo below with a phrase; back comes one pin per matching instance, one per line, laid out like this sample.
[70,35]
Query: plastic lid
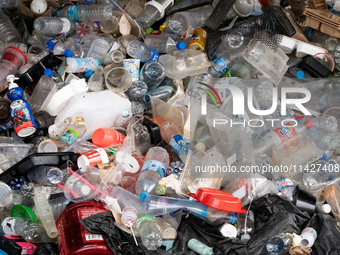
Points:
[218,199]
[58,13]
[48,72]
[149,30]
[228,230]
[309,124]
[326,208]
[24,212]
[50,44]
[245,238]
[143,195]
[26,131]
[88,74]
[284,3]
[324,157]
[68,53]
[20,51]
[180,45]
[300,74]
[161,28]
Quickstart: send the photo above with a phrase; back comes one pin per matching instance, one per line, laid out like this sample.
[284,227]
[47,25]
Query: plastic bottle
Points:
[86,28]
[56,78]
[137,90]
[98,49]
[199,247]
[136,109]
[137,49]
[153,11]
[172,136]
[45,175]
[81,65]
[167,231]
[297,72]
[52,26]
[285,185]
[20,46]
[328,42]
[115,56]
[278,245]
[67,132]
[162,190]
[78,13]
[43,92]
[320,100]
[246,225]
[150,235]
[164,43]
[31,232]
[8,3]
[96,80]
[180,21]
[45,215]
[156,162]
[8,32]
[20,110]
[324,139]
[152,73]
[64,49]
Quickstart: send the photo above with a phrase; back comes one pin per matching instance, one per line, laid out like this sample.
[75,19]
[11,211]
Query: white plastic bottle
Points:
[52,26]
[156,163]
[150,235]
[81,65]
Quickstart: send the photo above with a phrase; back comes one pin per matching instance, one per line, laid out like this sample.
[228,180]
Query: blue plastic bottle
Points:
[20,110]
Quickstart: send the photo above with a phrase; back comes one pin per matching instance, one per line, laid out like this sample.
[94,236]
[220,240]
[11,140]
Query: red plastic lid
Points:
[298,117]
[20,51]
[309,124]
[218,199]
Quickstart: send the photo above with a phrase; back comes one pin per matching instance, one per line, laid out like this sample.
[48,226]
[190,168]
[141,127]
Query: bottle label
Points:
[21,115]
[83,65]
[66,25]
[154,56]
[132,65]
[177,143]
[199,38]
[87,235]
[222,64]
[8,226]
[311,231]
[70,136]
[284,183]
[154,165]
[72,13]
[143,218]
[286,132]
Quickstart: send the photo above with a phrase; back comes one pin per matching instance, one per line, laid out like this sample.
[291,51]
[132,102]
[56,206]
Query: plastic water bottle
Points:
[285,185]
[9,3]
[98,49]
[278,245]
[67,48]
[329,42]
[43,92]
[156,163]
[56,78]
[81,65]
[137,90]
[164,43]
[152,73]
[8,32]
[137,49]
[95,12]
[96,80]
[150,235]
[52,26]
[153,11]
[45,175]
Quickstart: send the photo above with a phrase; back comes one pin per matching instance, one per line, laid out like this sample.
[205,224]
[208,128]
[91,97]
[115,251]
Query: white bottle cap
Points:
[47,146]
[326,208]
[228,230]
[38,6]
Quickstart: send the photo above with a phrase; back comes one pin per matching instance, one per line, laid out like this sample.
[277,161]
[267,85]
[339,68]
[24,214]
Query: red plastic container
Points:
[73,238]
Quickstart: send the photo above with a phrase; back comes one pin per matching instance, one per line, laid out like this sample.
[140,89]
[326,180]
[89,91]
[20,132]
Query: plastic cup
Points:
[47,146]
[98,156]
[117,79]
[132,65]
[104,137]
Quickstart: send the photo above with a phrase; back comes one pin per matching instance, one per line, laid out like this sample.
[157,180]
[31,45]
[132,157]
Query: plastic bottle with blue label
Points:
[137,49]
[156,163]
[173,136]
[20,110]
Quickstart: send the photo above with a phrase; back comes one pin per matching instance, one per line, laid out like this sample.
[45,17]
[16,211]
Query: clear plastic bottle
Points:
[172,136]
[278,245]
[328,42]
[156,163]
[8,32]
[150,235]
[80,65]
[153,11]
[152,73]
[115,56]
[324,139]
[320,100]
[95,12]
[52,26]
[137,90]
[20,46]
[56,77]
[137,49]
[45,175]
[285,185]
[98,49]
[137,109]
[96,80]
[42,93]
[86,28]
[164,43]
[246,225]
[9,3]
[67,132]
[67,48]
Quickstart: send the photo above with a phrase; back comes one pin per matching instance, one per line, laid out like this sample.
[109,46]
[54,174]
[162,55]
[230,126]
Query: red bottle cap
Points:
[309,124]
[218,199]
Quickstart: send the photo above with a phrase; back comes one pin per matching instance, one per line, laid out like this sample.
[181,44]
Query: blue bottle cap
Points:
[58,13]
[324,157]
[180,45]
[143,195]
[99,62]
[68,53]
[50,44]
[300,74]
[48,72]
[88,74]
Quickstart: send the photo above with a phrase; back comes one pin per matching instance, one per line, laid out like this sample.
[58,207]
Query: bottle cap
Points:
[48,72]
[149,30]
[180,45]
[218,199]
[23,212]
[68,53]
[309,124]
[58,13]
[99,62]
[228,230]
[50,44]
[300,74]
[326,208]
[161,28]
[88,74]
[143,195]
[284,3]
[245,238]
[324,157]
[104,137]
